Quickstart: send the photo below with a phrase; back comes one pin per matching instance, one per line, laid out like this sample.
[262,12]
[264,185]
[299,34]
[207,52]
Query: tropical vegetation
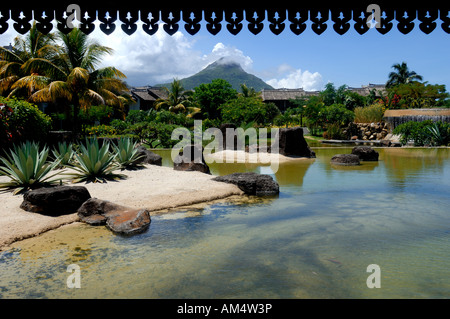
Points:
[52,82]
[94,163]
[27,167]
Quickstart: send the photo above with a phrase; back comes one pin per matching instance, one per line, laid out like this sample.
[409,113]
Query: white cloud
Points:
[149,60]
[230,53]
[291,78]
[160,58]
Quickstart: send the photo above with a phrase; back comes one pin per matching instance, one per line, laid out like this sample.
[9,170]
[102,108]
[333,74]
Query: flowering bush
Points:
[21,121]
[100,130]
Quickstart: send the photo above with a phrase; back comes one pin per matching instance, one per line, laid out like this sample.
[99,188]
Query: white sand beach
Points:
[154,188]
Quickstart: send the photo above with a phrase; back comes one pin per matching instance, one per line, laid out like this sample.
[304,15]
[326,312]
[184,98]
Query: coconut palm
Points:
[177,100]
[402,75]
[71,75]
[35,45]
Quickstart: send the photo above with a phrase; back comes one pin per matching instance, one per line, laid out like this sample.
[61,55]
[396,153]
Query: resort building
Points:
[282,97]
[146,96]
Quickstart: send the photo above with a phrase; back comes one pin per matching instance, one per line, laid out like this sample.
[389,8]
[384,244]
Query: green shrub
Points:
[136,116]
[27,167]
[334,132]
[26,122]
[126,152]
[120,126]
[94,163]
[369,114]
[336,113]
[64,154]
[424,133]
[100,130]
[154,134]
[244,110]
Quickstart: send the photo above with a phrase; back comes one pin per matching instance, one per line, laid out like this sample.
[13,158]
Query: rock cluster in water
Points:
[120,219]
[359,153]
[61,200]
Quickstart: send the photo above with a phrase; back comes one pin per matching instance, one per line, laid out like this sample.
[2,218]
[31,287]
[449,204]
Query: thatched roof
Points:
[285,94]
[149,93]
[288,94]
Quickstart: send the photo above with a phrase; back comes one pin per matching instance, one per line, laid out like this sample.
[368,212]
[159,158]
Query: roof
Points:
[149,93]
[288,94]
[285,94]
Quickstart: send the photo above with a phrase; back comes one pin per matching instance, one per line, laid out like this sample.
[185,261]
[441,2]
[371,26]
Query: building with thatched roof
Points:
[283,97]
[146,96]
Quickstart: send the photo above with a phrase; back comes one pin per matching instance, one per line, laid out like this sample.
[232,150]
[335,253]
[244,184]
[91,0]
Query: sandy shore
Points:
[229,156]
[154,188]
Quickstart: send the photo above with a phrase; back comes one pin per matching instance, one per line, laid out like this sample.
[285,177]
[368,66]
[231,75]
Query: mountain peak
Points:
[224,68]
[225,61]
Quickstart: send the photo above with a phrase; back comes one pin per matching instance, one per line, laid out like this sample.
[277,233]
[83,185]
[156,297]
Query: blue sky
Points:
[287,60]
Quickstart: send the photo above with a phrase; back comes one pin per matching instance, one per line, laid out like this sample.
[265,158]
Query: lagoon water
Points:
[315,240]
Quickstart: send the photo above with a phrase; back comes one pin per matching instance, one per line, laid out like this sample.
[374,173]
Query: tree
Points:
[249,109]
[402,75]
[71,75]
[212,95]
[177,100]
[248,92]
[35,45]
[418,95]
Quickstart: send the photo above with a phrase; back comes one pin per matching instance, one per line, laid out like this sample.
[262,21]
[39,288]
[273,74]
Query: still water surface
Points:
[314,240]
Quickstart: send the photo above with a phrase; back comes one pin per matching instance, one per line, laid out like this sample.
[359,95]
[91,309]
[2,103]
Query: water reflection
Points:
[313,241]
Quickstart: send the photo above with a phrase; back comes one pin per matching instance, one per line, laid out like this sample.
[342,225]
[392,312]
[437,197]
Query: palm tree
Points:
[402,75]
[35,45]
[71,75]
[248,92]
[177,100]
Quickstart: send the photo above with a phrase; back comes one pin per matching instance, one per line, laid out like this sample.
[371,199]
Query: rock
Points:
[191,159]
[385,143]
[292,143]
[129,222]
[345,159]
[365,153]
[55,201]
[252,183]
[119,219]
[148,157]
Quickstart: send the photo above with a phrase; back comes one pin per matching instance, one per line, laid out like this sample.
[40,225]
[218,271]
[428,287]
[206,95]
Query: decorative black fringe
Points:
[290,18]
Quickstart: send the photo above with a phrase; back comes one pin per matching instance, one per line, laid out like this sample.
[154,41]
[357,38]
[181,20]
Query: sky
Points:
[307,61]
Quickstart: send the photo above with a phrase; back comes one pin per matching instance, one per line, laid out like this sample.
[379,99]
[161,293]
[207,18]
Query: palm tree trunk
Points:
[76,110]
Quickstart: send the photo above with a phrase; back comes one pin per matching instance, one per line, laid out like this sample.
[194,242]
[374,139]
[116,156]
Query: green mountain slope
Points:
[227,70]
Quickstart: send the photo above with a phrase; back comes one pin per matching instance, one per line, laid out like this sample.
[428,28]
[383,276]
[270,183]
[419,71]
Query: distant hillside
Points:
[227,70]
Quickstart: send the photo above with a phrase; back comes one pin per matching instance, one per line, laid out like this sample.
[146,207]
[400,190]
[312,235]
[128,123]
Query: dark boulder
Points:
[292,143]
[252,183]
[55,201]
[148,157]
[365,153]
[119,219]
[345,159]
[191,159]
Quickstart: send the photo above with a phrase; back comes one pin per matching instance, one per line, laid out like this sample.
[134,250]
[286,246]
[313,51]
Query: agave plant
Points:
[27,167]
[94,163]
[437,136]
[64,153]
[127,155]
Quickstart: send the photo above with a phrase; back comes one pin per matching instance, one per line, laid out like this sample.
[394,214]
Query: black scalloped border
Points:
[277,20]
